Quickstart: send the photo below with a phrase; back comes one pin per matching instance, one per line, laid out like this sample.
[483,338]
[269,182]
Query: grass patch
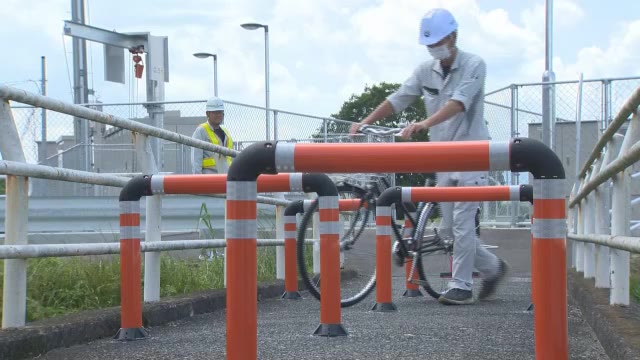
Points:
[57,286]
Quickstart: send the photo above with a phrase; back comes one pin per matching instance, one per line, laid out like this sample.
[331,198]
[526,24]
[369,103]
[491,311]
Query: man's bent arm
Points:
[449,110]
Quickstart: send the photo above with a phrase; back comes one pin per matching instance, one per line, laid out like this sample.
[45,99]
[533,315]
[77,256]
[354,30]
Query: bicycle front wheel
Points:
[313,284]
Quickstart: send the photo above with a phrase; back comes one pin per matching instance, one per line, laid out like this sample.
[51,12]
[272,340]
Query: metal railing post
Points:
[590,228]
[14,292]
[579,244]
[620,219]
[602,218]
[153,220]
[280,220]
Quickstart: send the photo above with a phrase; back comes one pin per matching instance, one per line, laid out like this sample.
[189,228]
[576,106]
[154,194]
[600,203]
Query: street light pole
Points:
[215,68]
[254,26]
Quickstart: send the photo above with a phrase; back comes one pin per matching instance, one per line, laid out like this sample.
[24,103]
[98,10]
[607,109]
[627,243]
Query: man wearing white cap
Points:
[452,85]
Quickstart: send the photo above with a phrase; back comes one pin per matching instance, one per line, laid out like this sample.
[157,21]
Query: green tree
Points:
[2,187]
[359,106]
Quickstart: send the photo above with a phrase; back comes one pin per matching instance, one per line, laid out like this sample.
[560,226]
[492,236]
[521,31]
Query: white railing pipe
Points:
[64,250]
[620,217]
[25,97]
[14,292]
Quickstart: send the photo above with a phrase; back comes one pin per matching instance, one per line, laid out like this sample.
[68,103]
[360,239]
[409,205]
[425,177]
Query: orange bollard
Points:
[412,290]
[330,308]
[384,302]
[290,261]
[130,284]
[242,292]
[548,271]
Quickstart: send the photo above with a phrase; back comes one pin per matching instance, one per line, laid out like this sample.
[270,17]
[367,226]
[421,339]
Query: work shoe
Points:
[456,296]
[490,284]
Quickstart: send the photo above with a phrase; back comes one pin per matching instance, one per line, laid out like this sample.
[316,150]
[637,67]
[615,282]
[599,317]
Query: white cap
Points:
[436,25]
[215,104]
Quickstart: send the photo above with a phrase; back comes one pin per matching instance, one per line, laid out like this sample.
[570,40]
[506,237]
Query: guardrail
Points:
[18,171]
[601,244]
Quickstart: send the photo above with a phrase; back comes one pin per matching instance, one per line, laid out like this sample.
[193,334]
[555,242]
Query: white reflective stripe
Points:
[129,232]
[306,204]
[241,229]
[129,207]
[285,157]
[295,182]
[290,234]
[328,202]
[383,210]
[289,219]
[329,227]
[242,190]
[384,230]
[549,228]
[406,194]
[548,188]
[499,155]
[514,192]
[157,184]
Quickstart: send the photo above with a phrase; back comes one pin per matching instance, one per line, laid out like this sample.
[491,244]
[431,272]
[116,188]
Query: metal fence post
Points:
[14,293]
[514,123]
[620,219]
[275,125]
[153,220]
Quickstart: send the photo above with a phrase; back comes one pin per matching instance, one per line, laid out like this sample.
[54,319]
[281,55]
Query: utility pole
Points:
[80,86]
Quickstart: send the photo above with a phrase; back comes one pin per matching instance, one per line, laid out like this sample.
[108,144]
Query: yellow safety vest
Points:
[211,162]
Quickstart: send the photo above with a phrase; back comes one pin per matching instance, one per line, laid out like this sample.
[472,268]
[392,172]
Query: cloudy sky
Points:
[321,51]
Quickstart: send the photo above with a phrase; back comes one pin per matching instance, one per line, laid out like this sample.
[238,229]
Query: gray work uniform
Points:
[198,154]
[464,83]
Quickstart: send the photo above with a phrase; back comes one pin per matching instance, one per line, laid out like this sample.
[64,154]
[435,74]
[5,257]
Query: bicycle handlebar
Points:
[368,129]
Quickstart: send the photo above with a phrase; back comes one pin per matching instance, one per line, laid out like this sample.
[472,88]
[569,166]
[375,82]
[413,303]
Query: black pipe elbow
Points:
[321,184]
[258,158]
[535,157]
[526,193]
[136,188]
[390,196]
[294,208]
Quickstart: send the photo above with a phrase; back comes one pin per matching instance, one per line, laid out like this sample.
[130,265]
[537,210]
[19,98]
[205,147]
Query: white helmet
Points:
[215,104]
[436,25]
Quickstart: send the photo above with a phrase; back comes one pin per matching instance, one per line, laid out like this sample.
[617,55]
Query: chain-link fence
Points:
[111,150]
[517,111]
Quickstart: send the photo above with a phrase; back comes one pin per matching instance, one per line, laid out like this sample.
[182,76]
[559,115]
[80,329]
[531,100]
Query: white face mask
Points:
[440,52]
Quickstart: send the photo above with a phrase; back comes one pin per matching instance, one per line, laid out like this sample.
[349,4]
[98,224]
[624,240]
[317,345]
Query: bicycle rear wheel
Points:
[430,253]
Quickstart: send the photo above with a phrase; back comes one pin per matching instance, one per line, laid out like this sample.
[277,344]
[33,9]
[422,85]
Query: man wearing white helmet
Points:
[452,85]
[208,162]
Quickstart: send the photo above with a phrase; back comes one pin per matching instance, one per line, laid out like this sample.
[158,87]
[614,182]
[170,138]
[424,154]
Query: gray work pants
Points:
[458,221]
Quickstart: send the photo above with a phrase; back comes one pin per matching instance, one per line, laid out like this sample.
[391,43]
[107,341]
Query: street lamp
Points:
[255,26]
[215,68]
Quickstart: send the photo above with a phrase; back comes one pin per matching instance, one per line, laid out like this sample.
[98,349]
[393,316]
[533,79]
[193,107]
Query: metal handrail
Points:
[627,109]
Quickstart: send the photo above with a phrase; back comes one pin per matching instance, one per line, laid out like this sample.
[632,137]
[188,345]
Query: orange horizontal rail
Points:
[467,193]
[217,183]
[394,157]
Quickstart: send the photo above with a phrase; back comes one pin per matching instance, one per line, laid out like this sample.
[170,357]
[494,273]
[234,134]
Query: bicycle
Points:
[413,247]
